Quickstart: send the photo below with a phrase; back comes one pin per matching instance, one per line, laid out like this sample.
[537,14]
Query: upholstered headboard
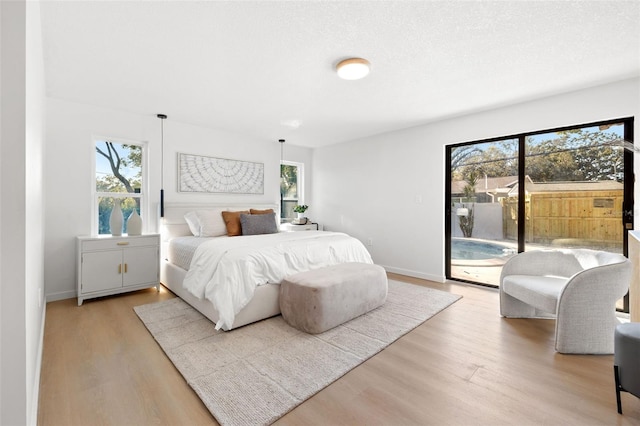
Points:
[174,225]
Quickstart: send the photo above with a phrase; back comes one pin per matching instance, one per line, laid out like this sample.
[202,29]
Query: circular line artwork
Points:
[198,173]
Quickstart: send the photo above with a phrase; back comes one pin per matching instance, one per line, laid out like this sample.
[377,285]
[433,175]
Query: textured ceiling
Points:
[266,69]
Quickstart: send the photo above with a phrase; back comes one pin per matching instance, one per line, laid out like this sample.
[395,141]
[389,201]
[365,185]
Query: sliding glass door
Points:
[483,175]
[562,188]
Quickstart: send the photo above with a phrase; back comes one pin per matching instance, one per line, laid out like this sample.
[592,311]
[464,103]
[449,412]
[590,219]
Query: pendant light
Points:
[162,117]
[281,150]
[280,169]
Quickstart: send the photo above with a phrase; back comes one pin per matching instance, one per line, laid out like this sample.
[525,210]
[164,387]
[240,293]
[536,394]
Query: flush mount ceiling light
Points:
[353,68]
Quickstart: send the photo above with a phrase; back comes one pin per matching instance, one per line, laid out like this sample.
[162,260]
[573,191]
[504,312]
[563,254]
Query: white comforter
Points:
[226,271]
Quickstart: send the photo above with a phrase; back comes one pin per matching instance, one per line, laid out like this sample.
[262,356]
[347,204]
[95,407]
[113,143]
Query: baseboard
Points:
[33,420]
[415,274]
[69,294]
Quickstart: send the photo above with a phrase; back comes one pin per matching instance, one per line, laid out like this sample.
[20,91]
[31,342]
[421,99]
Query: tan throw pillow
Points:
[232,221]
[267,211]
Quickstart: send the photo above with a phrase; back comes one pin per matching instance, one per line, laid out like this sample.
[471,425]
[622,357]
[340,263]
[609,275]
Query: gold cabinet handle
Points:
[125,268]
[120,268]
[123,243]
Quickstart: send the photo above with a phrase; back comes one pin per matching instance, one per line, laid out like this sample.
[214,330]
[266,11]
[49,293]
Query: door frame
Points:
[628,189]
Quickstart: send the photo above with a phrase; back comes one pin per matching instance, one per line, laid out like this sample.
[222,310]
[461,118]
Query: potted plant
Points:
[300,209]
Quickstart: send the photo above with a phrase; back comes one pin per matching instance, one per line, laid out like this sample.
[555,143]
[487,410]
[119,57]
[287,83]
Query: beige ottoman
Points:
[317,300]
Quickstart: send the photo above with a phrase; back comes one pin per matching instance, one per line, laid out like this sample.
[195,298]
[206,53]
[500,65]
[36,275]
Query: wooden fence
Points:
[578,218]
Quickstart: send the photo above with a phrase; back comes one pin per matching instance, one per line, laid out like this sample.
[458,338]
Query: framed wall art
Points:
[198,173]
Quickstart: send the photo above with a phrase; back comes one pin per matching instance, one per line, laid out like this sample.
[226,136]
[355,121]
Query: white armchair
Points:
[578,287]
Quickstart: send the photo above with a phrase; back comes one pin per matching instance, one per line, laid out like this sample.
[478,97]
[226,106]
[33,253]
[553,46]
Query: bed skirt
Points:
[264,304]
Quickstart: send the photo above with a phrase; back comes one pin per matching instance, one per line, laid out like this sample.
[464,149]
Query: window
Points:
[119,177]
[291,188]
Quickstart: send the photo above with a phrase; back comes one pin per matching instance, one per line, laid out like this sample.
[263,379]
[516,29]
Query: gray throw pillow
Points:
[255,224]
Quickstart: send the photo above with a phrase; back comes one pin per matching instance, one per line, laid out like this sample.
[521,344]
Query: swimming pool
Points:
[462,248]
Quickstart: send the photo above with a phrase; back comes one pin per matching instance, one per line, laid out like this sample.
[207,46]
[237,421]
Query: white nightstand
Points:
[290,227]
[110,265]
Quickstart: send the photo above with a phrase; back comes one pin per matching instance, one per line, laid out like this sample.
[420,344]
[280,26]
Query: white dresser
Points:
[110,265]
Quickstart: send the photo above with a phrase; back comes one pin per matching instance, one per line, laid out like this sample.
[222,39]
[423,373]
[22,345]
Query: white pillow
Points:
[194,224]
[211,223]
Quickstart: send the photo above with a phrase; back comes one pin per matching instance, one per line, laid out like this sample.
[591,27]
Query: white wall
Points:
[3,39]
[389,189]
[487,221]
[34,206]
[21,210]
[2,60]
[70,131]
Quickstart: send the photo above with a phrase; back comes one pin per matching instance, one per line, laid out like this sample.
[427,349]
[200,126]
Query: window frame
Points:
[300,187]
[144,188]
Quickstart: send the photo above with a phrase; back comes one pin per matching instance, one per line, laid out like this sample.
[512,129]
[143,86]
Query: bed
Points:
[234,280]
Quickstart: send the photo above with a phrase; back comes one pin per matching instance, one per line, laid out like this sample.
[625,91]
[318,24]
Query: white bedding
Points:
[181,250]
[226,271]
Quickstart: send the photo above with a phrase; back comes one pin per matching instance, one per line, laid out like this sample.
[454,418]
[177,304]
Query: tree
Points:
[495,159]
[596,157]
[574,155]
[289,195]
[120,157]
[134,158]
[469,192]
[550,161]
[288,180]
[569,155]
[460,156]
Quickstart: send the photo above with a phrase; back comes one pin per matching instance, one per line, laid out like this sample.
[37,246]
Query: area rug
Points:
[255,374]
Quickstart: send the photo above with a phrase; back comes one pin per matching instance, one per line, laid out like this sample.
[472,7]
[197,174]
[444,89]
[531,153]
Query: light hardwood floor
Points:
[465,366]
